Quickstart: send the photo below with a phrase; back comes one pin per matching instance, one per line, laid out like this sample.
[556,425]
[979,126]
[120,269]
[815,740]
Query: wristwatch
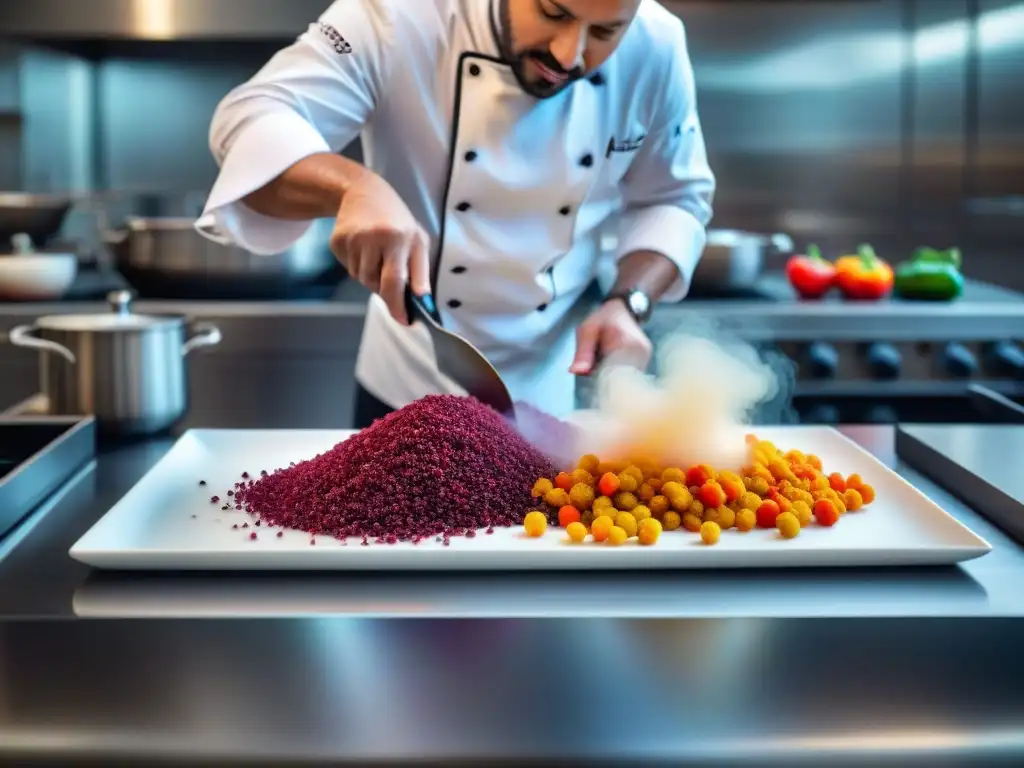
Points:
[637,302]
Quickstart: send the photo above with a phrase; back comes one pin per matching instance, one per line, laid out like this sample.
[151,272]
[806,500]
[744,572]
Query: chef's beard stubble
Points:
[536,88]
[697,407]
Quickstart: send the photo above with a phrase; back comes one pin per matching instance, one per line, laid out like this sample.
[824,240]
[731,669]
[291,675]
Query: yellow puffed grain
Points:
[746,519]
[648,532]
[726,518]
[788,525]
[710,532]
[658,505]
[641,513]
[626,501]
[577,532]
[626,522]
[535,524]
[691,523]
[616,536]
[804,513]
[671,521]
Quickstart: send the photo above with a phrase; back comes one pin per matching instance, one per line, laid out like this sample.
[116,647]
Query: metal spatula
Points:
[458,359]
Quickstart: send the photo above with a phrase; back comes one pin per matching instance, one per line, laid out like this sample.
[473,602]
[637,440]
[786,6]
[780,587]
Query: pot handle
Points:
[781,243]
[22,336]
[203,335]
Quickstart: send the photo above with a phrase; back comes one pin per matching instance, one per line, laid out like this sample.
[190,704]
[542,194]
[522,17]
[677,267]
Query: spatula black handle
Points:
[422,307]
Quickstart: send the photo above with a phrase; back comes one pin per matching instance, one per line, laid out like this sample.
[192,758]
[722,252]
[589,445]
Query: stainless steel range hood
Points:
[157,19]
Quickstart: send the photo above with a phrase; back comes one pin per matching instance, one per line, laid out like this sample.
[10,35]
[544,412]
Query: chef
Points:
[499,135]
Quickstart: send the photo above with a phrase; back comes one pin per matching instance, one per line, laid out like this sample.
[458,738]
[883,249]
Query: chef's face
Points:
[555,42]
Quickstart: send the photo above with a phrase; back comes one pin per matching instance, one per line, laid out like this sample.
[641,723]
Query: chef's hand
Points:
[379,242]
[610,333]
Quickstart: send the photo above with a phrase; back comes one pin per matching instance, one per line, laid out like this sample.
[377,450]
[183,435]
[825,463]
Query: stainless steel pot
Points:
[128,370]
[168,256]
[38,216]
[735,260]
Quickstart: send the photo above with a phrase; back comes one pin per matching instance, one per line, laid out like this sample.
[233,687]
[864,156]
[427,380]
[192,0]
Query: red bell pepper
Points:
[811,276]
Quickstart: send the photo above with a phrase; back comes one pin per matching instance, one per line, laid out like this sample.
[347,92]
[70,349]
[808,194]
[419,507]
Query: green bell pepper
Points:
[932,275]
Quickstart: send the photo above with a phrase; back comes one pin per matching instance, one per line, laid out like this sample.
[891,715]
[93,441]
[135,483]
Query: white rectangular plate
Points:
[166,522]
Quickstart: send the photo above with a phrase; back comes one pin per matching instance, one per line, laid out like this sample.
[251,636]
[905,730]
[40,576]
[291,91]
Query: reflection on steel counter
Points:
[37,455]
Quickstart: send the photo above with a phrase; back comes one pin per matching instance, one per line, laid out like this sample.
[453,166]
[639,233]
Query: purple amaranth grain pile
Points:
[443,466]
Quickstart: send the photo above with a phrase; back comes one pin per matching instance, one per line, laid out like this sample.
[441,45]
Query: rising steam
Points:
[695,410]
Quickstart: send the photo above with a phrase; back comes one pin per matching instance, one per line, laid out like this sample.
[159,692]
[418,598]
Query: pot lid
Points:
[120,318]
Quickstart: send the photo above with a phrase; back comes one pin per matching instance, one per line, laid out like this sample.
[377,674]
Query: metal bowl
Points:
[37,276]
[38,216]
[168,255]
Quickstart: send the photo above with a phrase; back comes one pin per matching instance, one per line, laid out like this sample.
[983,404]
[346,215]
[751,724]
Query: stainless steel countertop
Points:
[916,666]
[984,312]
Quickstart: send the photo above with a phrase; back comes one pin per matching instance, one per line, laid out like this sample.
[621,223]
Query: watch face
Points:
[639,305]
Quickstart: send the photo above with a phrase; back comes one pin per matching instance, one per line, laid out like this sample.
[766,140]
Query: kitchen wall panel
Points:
[59,115]
[10,118]
[801,105]
[937,116]
[999,155]
[155,119]
[835,121]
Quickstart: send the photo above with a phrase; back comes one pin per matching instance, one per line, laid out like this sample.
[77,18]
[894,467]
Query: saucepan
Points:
[128,370]
[735,260]
[167,257]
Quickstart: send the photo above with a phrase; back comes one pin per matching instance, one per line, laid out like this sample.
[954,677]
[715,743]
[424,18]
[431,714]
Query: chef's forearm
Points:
[647,271]
[311,189]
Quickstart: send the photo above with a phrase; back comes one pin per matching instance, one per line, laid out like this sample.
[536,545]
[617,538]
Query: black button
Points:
[463,207]
[542,307]
[470,156]
[679,130]
[474,70]
[454,303]
[587,160]
[565,210]
[458,270]
[597,79]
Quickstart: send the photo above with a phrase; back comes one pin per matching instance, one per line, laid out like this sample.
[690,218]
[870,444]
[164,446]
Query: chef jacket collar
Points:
[485,23]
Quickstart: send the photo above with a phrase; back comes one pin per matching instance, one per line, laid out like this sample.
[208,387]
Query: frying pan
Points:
[38,216]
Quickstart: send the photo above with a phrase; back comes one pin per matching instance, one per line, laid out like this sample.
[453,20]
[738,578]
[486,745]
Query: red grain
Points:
[215,499]
[441,467]
[252,535]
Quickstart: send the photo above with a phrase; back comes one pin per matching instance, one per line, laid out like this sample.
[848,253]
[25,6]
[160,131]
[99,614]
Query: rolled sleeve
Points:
[669,188]
[314,96]
[671,231]
[260,153]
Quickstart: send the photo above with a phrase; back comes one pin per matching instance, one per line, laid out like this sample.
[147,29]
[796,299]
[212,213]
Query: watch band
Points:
[637,302]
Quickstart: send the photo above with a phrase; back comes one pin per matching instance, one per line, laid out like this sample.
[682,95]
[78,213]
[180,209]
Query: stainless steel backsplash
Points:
[898,121]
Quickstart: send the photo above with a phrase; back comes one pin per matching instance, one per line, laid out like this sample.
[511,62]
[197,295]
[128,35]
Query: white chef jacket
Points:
[509,188]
